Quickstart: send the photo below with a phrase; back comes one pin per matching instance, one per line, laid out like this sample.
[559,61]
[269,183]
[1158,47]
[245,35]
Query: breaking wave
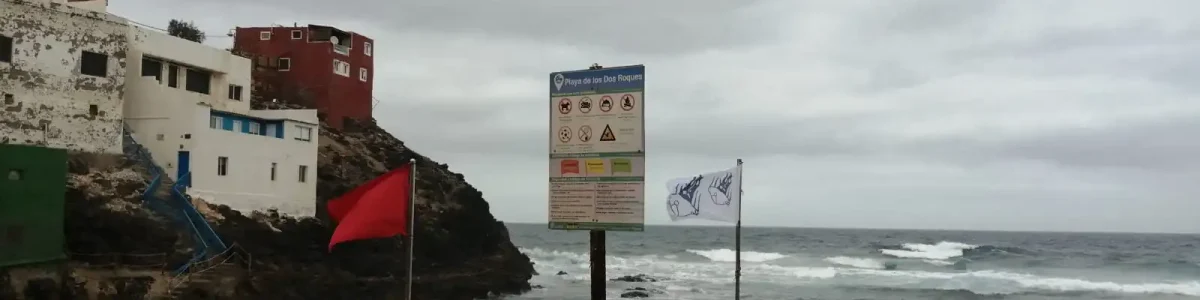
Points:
[848,272]
[940,251]
[727,255]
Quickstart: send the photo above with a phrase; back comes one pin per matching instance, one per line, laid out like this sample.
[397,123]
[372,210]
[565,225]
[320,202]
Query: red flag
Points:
[379,208]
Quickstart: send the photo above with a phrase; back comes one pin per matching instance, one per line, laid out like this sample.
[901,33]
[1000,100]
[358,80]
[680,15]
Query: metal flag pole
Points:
[737,267]
[412,223]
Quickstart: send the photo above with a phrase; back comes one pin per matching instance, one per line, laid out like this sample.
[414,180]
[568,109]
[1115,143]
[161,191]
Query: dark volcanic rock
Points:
[639,292]
[462,251]
[636,278]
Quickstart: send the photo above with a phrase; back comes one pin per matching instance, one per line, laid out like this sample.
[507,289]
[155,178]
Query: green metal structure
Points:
[33,190]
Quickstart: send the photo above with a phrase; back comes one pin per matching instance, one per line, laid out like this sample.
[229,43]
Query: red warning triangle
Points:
[608,135]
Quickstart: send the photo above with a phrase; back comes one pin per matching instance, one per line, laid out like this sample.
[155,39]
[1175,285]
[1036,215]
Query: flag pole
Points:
[737,271]
[412,222]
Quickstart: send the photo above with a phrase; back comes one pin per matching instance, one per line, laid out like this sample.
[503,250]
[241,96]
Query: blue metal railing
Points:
[178,208]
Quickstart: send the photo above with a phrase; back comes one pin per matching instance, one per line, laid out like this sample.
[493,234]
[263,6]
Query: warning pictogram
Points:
[564,106]
[627,102]
[607,135]
[585,133]
[564,134]
[606,103]
[585,105]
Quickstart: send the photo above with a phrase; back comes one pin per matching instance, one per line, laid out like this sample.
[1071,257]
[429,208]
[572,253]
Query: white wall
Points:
[99,6]
[171,119]
[153,111]
[50,100]
[226,68]
[247,185]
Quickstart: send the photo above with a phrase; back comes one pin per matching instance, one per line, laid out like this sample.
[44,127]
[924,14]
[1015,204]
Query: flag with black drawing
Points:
[712,196]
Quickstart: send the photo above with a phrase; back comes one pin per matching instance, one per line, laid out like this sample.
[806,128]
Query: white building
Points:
[61,76]
[191,108]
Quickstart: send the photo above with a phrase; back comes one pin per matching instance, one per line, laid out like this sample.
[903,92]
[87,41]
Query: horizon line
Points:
[731,226]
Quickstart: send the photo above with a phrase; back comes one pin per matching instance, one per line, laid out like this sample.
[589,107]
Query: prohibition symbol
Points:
[564,134]
[585,105]
[627,102]
[606,103]
[607,135]
[564,106]
[585,132]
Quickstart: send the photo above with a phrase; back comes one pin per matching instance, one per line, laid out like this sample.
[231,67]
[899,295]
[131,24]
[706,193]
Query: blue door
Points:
[185,165]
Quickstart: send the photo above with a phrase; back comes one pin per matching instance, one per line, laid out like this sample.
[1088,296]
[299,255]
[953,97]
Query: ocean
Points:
[851,264]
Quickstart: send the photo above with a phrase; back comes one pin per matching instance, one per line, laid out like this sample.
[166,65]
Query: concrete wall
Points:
[311,80]
[247,184]
[168,120]
[225,67]
[46,100]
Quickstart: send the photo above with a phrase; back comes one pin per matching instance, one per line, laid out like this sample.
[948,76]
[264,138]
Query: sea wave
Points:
[940,251]
[859,272]
[857,262]
[728,255]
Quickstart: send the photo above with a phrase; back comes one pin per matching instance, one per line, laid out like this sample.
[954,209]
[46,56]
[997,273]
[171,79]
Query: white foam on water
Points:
[681,278]
[940,251]
[857,262]
[728,255]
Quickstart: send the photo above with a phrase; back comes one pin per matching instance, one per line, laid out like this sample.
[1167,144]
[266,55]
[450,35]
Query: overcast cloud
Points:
[1002,115]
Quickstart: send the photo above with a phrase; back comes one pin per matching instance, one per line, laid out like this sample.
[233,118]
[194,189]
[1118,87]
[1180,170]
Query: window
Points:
[160,136]
[237,125]
[6,49]
[16,174]
[303,133]
[214,122]
[235,92]
[152,67]
[264,35]
[285,64]
[341,68]
[296,34]
[8,99]
[254,128]
[93,110]
[367,48]
[198,81]
[173,76]
[93,64]
[222,165]
[362,74]
[303,173]
[273,171]
[270,130]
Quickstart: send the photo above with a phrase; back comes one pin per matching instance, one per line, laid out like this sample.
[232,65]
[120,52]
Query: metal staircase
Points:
[169,199]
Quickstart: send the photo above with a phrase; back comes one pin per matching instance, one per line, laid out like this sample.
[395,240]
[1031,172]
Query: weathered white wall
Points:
[92,5]
[247,185]
[167,120]
[226,68]
[50,99]
[153,111]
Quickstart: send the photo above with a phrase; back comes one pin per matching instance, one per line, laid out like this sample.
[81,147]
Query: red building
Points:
[315,66]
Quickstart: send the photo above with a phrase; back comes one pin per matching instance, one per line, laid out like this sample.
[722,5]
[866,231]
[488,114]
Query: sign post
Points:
[597,155]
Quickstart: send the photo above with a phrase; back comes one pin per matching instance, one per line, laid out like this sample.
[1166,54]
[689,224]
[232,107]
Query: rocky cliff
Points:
[462,251]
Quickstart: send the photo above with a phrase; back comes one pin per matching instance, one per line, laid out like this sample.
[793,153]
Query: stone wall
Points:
[63,86]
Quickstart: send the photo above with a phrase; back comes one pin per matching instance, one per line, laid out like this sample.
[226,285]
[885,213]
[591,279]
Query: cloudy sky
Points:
[996,115]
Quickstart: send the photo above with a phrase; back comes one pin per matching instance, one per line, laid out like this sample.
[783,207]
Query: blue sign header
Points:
[608,80]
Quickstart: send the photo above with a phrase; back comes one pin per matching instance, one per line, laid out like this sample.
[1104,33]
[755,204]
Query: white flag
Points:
[712,196]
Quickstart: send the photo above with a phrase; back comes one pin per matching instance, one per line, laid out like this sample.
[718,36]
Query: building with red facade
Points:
[316,66]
